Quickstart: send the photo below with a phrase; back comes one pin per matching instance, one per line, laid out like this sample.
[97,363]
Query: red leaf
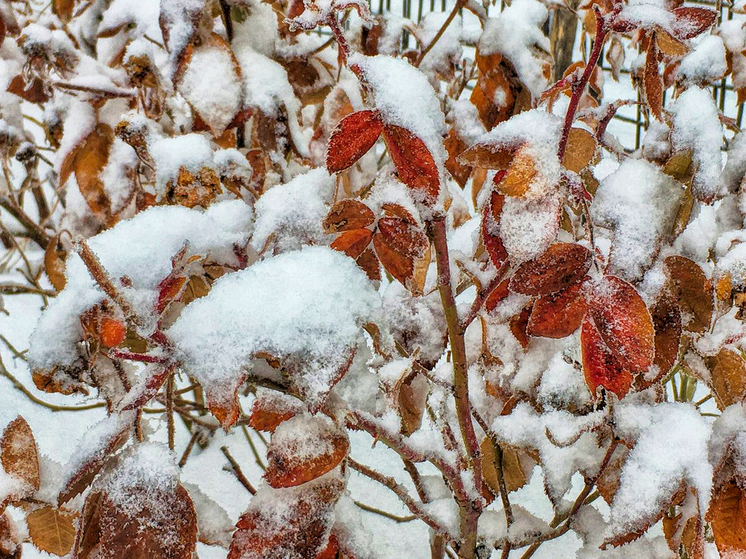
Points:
[304,448]
[370,265]
[599,364]
[348,214]
[272,408]
[490,220]
[497,296]
[351,139]
[403,237]
[353,243]
[559,314]
[653,82]
[519,325]
[690,22]
[562,265]
[413,161]
[624,322]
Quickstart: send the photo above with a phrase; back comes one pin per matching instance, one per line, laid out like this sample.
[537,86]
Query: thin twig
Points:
[170,410]
[395,518]
[454,12]
[237,471]
[253,448]
[188,449]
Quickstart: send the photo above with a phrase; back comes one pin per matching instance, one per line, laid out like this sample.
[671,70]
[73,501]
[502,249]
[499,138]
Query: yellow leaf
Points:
[52,530]
[581,147]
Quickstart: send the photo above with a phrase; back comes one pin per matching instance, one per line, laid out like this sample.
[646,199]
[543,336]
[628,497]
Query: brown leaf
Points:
[403,237]
[54,263]
[63,9]
[352,138]
[690,22]
[348,214]
[691,289]
[728,377]
[581,147]
[489,156]
[353,243]
[33,93]
[667,322]
[403,251]
[562,265]
[514,473]
[20,457]
[271,408]
[624,323]
[559,314]
[369,264]
[52,530]
[303,449]
[411,402]
[653,82]
[727,516]
[521,172]
[10,544]
[608,482]
[519,325]
[490,229]
[306,513]
[414,163]
[669,45]
[455,146]
[600,366]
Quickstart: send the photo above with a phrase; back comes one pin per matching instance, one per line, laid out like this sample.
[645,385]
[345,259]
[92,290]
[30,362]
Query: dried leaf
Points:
[490,229]
[405,238]
[10,544]
[352,138]
[20,457]
[653,82]
[411,400]
[581,147]
[353,243]
[562,265]
[624,323]
[667,322]
[54,263]
[521,172]
[600,366]
[270,409]
[400,246]
[35,92]
[691,289]
[414,163]
[558,314]
[52,530]
[727,516]
[514,474]
[615,56]
[369,264]
[303,449]
[347,215]
[728,377]
[488,156]
[64,10]
[455,146]
[670,46]
[690,22]
[519,324]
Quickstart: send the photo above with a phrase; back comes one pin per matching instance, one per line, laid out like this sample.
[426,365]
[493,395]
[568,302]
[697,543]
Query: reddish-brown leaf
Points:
[728,380]
[600,366]
[369,264]
[690,22]
[559,314]
[306,513]
[19,456]
[667,322]
[691,289]
[653,82]
[397,210]
[347,215]
[413,161]
[519,326]
[351,139]
[455,146]
[624,322]
[304,448]
[10,538]
[727,516]
[353,243]
[54,263]
[395,263]
[562,265]
[490,230]
[35,92]
[407,239]
[498,294]
[272,408]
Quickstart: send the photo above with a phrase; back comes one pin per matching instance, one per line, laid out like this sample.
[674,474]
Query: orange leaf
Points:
[10,544]
[581,147]
[353,243]
[562,265]
[727,516]
[624,323]
[498,294]
[19,456]
[272,408]
[52,530]
[54,263]
[455,146]
[559,314]
[413,161]
[521,172]
[351,139]
[690,22]
[600,366]
[348,214]
[653,82]
[693,292]
[369,264]
[728,377]
[519,325]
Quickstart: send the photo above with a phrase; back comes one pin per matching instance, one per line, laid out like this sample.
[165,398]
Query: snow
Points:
[647,14]
[638,203]
[304,307]
[696,127]
[190,151]
[516,33]
[705,64]
[291,214]
[141,249]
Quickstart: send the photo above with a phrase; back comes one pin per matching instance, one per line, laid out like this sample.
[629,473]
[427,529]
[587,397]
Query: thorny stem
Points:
[237,471]
[578,88]
[469,510]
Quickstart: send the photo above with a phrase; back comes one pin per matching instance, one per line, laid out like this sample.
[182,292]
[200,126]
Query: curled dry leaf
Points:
[414,163]
[624,323]
[347,215]
[558,314]
[52,529]
[455,146]
[727,516]
[692,291]
[514,472]
[581,147]
[352,138]
[600,366]
[19,456]
[519,326]
[302,449]
[10,544]
[562,265]
[728,370]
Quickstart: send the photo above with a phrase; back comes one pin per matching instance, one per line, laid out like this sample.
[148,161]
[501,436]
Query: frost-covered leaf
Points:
[581,147]
[54,263]
[519,175]
[20,457]
[214,525]
[319,299]
[728,379]
[653,83]
[666,316]
[52,530]
[692,291]
[490,229]
[600,365]
[558,314]
[10,538]
[727,516]
[624,322]
[403,249]
[414,163]
[351,139]
[304,448]
[353,242]
[690,22]
[271,408]
[138,508]
[291,523]
[562,265]
[347,215]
